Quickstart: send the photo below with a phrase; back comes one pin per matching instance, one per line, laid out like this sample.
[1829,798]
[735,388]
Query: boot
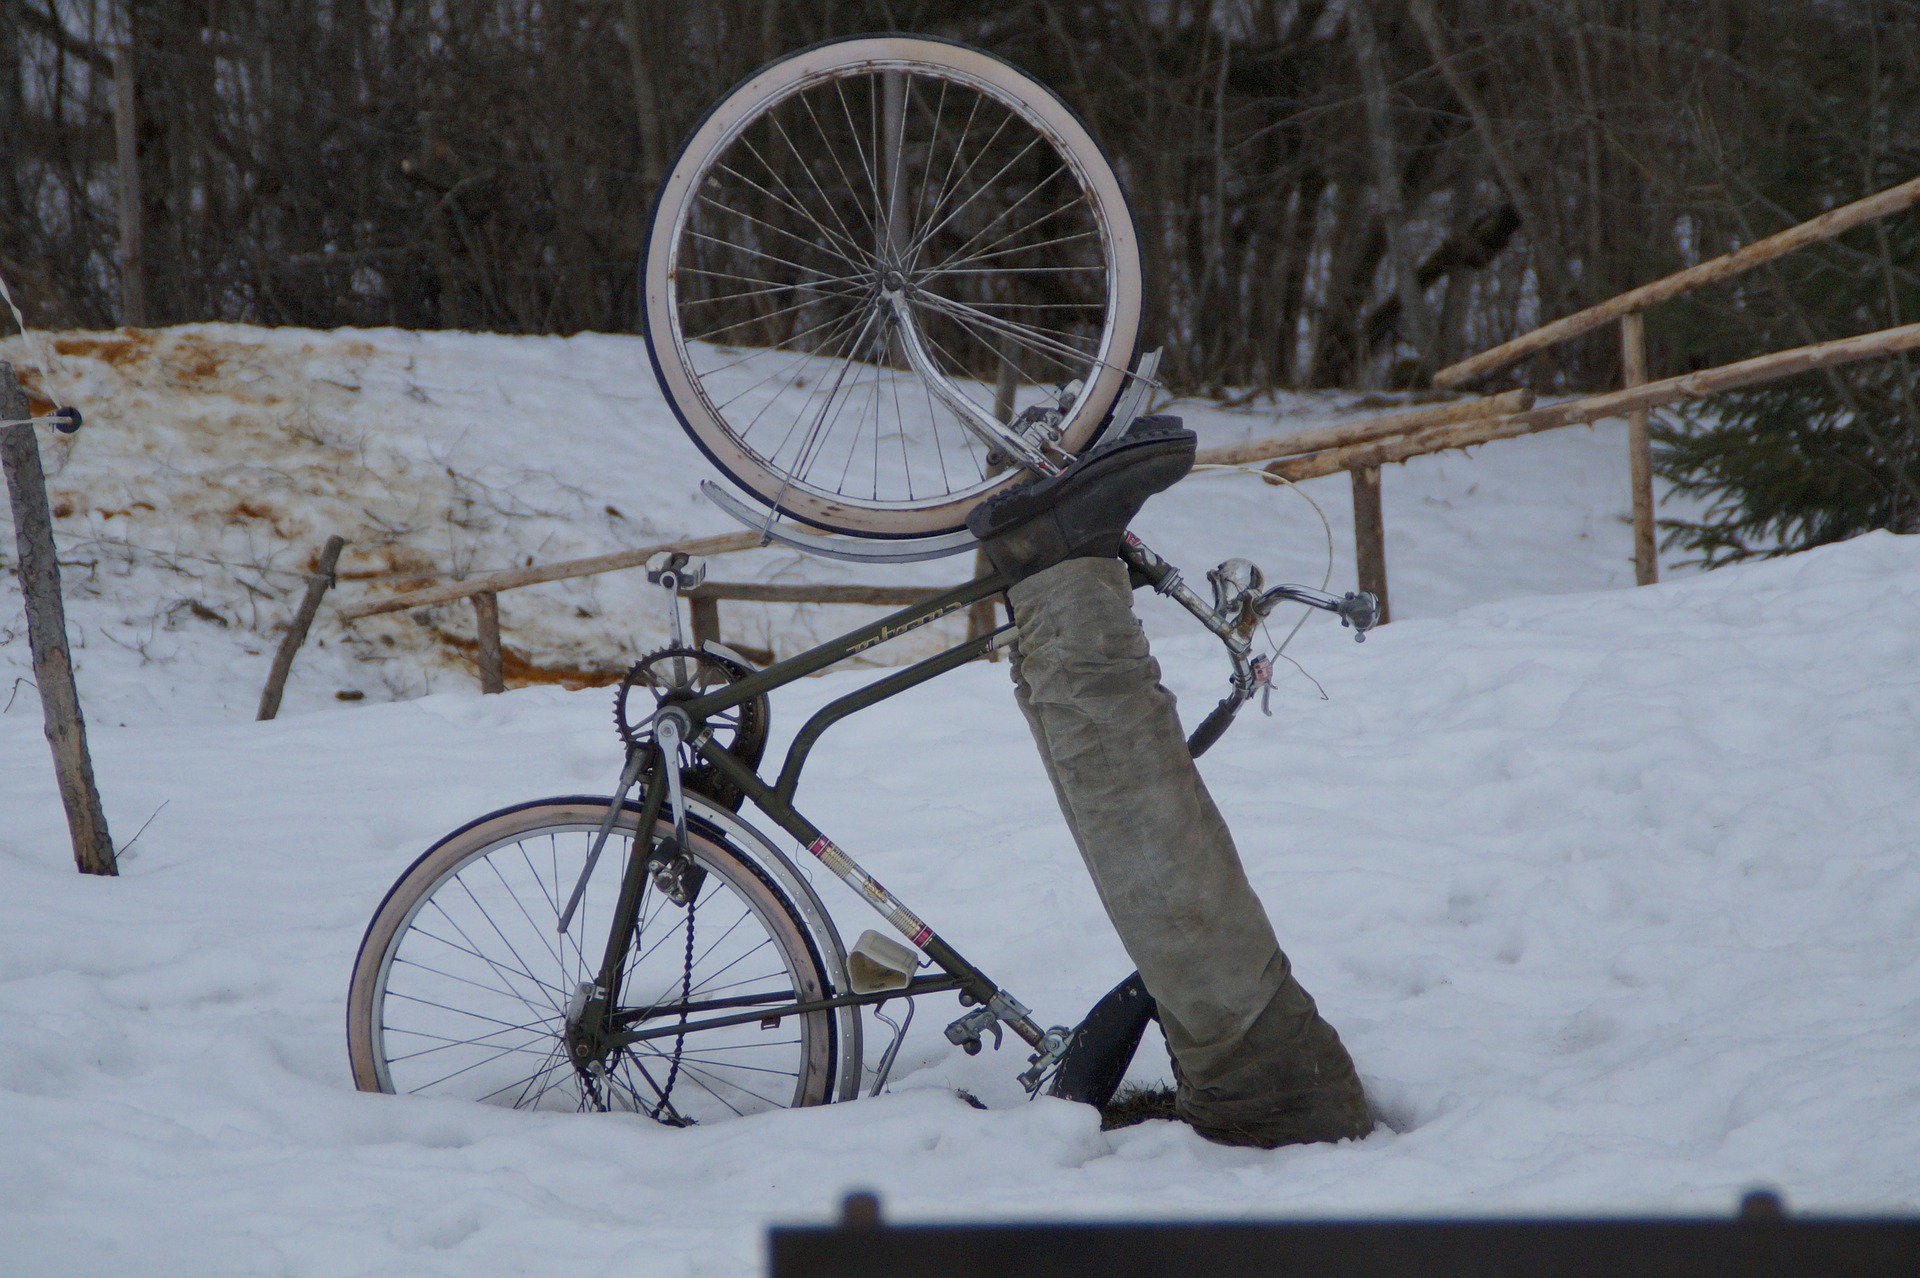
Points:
[1084,510]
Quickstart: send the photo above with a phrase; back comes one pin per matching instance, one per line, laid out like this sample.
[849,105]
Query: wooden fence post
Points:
[1370,535]
[705,610]
[1633,365]
[297,629]
[486,611]
[39,573]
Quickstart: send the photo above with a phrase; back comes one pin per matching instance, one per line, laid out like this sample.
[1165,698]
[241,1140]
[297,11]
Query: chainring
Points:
[681,674]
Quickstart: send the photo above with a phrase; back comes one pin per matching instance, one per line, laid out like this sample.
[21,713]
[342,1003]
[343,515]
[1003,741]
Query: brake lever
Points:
[1263,680]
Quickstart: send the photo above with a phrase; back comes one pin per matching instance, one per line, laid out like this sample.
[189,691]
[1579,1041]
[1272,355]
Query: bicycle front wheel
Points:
[464,988]
[851,174]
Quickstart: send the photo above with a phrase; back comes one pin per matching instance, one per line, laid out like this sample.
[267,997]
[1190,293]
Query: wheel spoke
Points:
[1025,334]
[504,939]
[849,342]
[801,357]
[847,251]
[961,207]
[709,334]
[846,233]
[751,250]
[730,211]
[993,249]
[496,966]
[994,221]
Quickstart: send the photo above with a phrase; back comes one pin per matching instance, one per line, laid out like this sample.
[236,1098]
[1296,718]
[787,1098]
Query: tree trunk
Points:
[1386,178]
[133,270]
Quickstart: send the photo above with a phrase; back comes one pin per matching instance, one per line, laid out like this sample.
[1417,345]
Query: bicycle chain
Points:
[680,1039]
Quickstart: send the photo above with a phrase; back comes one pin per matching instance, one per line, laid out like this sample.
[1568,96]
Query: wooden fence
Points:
[1372,445]
[1360,448]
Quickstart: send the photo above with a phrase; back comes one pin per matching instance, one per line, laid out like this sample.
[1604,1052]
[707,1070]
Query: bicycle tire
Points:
[462,984]
[775,238]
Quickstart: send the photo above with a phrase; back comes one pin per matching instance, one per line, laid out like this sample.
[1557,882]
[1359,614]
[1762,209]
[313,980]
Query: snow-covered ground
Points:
[1611,891]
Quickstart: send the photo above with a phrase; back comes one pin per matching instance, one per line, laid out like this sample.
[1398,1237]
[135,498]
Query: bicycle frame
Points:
[600,1031]
[686,719]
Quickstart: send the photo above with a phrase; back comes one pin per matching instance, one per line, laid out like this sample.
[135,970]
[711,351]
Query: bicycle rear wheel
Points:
[860,168]
[463,987]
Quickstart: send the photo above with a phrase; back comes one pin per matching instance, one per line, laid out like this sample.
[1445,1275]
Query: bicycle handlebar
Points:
[1215,725]
[1239,604]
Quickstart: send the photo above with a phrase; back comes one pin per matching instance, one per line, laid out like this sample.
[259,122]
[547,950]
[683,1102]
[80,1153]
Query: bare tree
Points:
[1328,193]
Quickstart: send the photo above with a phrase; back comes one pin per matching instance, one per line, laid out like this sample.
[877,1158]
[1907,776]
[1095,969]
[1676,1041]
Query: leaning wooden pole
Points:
[47,633]
[296,635]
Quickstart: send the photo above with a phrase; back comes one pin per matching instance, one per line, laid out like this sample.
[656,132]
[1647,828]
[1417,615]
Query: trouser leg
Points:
[1251,1052]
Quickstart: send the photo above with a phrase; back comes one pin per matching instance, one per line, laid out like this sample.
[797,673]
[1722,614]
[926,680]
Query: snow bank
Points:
[1611,892]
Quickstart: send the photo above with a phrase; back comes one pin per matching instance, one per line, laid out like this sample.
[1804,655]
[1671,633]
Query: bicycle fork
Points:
[590,1035]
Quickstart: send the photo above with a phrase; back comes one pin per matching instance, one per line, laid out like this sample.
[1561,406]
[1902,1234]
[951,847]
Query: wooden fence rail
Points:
[1366,429]
[1892,200]
[559,570]
[1591,408]
[1628,309]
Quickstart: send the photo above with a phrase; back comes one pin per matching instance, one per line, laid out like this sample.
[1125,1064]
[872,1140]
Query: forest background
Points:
[1330,193]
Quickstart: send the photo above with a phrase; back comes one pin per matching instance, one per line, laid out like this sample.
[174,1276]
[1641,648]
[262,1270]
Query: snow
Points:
[1610,891]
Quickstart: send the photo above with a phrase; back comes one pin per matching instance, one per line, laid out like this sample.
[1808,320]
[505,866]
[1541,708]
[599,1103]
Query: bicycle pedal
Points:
[966,1033]
[674,874]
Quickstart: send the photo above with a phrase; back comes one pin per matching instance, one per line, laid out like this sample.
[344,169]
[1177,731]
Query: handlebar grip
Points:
[1215,725]
[1361,610]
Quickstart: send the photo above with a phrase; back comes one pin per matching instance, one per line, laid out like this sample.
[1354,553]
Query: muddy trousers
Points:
[1254,1060]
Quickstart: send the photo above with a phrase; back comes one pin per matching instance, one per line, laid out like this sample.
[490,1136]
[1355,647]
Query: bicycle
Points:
[549,955]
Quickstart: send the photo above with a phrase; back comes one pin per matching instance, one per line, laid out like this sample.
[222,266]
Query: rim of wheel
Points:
[472,993]
[926,167]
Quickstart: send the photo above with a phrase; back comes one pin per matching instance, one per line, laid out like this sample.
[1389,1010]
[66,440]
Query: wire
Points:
[1269,477]
[33,344]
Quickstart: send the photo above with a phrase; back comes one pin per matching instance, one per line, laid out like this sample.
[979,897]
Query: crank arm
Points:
[668,730]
